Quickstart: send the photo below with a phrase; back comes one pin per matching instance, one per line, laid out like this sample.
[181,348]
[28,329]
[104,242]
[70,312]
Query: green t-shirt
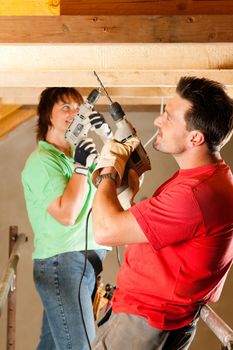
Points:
[45,177]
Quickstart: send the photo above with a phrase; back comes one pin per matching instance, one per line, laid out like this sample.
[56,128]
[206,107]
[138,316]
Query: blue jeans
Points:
[57,281]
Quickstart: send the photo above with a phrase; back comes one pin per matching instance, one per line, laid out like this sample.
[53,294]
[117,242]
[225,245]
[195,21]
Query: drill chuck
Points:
[116,111]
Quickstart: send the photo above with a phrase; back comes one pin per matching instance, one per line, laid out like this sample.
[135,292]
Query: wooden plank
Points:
[146,7]
[11,121]
[113,78]
[30,8]
[30,96]
[127,96]
[117,29]
[79,57]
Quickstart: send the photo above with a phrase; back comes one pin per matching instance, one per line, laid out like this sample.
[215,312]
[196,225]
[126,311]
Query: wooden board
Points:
[29,7]
[146,7]
[12,120]
[117,29]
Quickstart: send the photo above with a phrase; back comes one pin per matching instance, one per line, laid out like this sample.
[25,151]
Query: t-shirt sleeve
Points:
[43,180]
[170,217]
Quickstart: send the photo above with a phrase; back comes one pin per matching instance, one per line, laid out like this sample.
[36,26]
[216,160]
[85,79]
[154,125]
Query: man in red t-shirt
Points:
[180,241]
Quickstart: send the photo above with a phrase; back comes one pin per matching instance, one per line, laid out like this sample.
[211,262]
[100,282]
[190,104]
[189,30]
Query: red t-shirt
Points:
[189,225]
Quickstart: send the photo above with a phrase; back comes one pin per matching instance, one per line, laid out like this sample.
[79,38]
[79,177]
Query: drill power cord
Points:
[156,132]
[81,279]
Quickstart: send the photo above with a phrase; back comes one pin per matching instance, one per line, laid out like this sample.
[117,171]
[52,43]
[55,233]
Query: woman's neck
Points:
[59,142]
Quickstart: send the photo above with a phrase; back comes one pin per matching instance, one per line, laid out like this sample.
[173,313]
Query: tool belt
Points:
[100,295]
[94,259]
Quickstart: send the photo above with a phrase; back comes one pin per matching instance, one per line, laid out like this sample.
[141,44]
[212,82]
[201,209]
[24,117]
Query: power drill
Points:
[139,160]
[79,127]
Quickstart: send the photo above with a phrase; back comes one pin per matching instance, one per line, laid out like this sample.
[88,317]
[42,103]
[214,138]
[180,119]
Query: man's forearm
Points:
[105,210]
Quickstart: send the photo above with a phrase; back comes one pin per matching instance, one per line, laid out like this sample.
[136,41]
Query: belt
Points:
[94,259]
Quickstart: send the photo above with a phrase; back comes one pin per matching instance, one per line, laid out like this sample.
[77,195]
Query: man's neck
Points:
[196,158]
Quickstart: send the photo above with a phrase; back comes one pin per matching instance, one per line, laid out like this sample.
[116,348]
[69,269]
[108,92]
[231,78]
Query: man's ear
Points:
[196,138]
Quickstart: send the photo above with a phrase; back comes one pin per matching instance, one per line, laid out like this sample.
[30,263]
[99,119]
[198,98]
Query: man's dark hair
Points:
[211,111]
[48,98]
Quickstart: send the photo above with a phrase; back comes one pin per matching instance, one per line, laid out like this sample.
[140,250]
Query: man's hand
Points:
[100,125]
[116,154]
[85,155]
[126,197]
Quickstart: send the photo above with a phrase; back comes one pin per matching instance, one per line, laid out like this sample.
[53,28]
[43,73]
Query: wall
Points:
[14,150]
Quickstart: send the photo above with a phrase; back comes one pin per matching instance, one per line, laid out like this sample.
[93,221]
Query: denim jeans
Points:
[57,280]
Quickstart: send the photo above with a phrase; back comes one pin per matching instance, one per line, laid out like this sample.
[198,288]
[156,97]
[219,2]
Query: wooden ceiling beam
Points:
[145,7]
[132,95]
[117,29]
[7,109]
[115,7]
[134,91]
[114,78]
[14,119]
[79,57]
[29,8]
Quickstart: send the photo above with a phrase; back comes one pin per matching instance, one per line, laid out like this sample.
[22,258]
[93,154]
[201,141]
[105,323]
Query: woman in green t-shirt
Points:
[59,193]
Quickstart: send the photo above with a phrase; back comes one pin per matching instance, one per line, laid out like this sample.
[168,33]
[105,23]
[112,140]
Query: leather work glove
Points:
[127,194]
[115,154]
[100,125]
[85,154]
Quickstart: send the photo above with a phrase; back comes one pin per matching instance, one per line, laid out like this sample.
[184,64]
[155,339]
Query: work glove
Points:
[85,154]
[115,154]
[127,193]
[100,125]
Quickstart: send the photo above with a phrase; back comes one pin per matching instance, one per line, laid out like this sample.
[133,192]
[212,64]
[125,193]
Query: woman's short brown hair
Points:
[48,98]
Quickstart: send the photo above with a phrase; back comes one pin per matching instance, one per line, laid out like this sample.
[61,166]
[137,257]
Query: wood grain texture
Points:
[12,120]
[116,29]
[146,7]
[29,8]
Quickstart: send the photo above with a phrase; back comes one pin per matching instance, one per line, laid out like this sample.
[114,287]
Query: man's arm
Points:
[112,224]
